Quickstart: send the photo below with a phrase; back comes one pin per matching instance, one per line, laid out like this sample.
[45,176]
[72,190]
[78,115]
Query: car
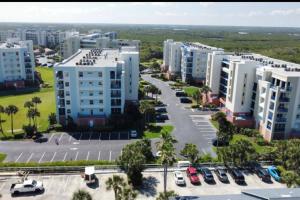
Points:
[221,174]
[27,186]
[161,110]
[178,90]
[191,173]
[274,172]
[41,139]
[178,176]
[207,175]
[180,94]
[237,175]
[133,133]
[219,143]
[185,100]
[253,166]
[263,174]
[161,117]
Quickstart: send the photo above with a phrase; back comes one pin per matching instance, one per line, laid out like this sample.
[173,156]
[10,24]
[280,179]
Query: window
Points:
[81,82]
[100,101]
[80,74]
[91,93]
[101,110]
[66,74]
[298,116]
[68,111]
[99,83]
[81,101]
[100,74]
[91,83]
[17,53]
[67,84]
[100,92]
[91,102]
[68,102]
[112,75]
[90,73]
[67,93]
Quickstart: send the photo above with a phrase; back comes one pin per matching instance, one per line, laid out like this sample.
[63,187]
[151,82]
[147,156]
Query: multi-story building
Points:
[166,55]
[175,59]
[16,63]
[194,61]
[92,84]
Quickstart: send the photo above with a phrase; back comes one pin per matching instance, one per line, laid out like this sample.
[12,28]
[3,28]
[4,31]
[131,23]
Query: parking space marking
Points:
[65,156]
[53,156]
[76,155]
[2,186]
[87,156]
[70,138]
[29,157]
[91,133]
[66,184]
[109,136]
[99,154]
[60,137]
[203,150]
[109,155]
[42,157]
[51,137]
[19,157]
[80,136]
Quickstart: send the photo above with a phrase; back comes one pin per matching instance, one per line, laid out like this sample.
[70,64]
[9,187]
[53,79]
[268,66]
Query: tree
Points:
[225,131]
[145,146]
[147,109]
[205,90]
[218,115]
[52,119]
[168,156]
[132,161]
[282,156]
[81,195]
[11,110]
[291,178]
[33,113]
[293,151]
[155,65]
[242,152]
[28,105]
[115,184]
[28,130]
[190,151]
[166,195]
[128,193]
[2,110]
[197,96]
[36,101]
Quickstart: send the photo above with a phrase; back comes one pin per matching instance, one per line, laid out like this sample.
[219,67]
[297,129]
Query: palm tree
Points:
[128,193]
[28,105]
[115,183]
[146,108]
[1,111]
[205,90]
[197,96]
[168,156]
[81,195]
[166,195]
[33,113]
[52,119]
[11,110]
[36,101]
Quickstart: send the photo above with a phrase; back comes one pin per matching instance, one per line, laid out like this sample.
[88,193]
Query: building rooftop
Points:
[9,46]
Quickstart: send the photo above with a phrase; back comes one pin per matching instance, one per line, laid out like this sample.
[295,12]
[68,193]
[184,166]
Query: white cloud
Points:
[206,4]
[285,12]
[170,14]
[254,13]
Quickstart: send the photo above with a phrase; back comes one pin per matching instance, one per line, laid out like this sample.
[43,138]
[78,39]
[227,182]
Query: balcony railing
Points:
[279,130]
[281,119]
[60,86]
[284,99]
[115,86]
[282,110]
[273,97]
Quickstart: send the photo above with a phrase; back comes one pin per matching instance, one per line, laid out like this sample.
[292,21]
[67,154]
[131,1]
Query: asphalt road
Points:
[191,126]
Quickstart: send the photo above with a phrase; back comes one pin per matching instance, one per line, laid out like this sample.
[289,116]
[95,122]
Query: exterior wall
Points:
[166,54]
[175,58]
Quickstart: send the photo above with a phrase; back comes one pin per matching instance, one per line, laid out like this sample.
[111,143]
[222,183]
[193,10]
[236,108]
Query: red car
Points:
[191,173]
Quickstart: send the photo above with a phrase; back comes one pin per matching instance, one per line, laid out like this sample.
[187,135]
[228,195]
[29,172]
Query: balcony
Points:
[279,130]
[281,119]
[273,97]
[282,110]
[60,86]
[27,60]
[28,65]
[284,99]
[289,88]
[115,86]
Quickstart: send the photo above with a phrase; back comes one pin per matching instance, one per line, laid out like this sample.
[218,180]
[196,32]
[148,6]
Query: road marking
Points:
[2,186]
[66,184]
[87,156]
[193,110]
[60,137]
[91,133]
[65,156]
[51,137]
[109,136]
[42,157]
[99,154]
[75,142]
[19,157]
[30,157]
[76,155]
[80,135]
[53,156]
[70,138]
[109,155]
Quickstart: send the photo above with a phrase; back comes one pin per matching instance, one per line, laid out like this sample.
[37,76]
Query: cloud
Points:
[161,4]
[170,14]
[285,12]
[206,4]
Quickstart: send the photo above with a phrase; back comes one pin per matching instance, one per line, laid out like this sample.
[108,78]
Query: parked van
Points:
[183,163]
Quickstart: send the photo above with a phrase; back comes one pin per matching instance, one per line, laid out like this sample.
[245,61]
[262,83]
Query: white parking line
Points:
[19,157]
[91,133]
[87,156]
[29,157]
[70,138]
[66,184]
[109,155]
[51,137]
[60,137]
[99,154]
[65,156]
[53,156]
[80,136]
[2,186]
[42,157]
[76,155]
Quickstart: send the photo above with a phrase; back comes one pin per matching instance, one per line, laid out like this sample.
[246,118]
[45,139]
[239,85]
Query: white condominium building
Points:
[194,58]
[16,63]
[166,54]
[175,58]
[93,84]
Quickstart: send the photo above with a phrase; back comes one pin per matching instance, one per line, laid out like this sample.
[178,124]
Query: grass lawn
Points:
[2,157]
[155,131]
[46,107]
[259,149]
[190,90]
[214,123]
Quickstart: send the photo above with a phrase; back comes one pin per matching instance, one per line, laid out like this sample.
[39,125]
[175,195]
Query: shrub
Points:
[195,106]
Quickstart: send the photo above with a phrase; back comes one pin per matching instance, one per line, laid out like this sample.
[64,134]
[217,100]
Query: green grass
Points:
[155,131]
[2,157]
[214,123]
[46,107]
[190,90]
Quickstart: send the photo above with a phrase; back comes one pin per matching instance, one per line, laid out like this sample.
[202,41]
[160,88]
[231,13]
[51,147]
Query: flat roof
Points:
[9,46]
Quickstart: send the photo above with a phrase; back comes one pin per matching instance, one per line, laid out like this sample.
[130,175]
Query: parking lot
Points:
[63,186]
[68,146]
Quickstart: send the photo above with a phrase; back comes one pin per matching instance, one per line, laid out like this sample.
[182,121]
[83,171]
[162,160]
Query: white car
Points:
[27,186]
[178,176]
[133,133]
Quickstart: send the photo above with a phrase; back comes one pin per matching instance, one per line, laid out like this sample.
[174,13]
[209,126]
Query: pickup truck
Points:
[26,186]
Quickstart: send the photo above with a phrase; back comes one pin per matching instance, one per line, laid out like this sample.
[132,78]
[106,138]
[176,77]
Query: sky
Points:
[276,14]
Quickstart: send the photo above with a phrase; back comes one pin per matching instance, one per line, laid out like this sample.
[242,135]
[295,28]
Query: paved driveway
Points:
[191,126]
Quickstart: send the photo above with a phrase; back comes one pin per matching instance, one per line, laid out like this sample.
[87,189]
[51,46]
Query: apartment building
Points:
[194,58]
[16,63]
[166,55]
[94,83]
